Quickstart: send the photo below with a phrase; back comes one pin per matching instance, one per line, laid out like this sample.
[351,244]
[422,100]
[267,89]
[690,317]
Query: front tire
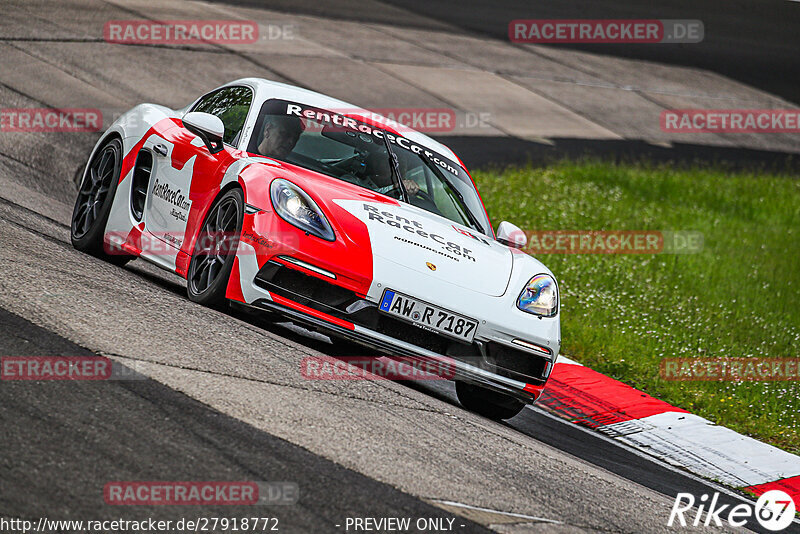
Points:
[486,402]
[215,250]
[93,205]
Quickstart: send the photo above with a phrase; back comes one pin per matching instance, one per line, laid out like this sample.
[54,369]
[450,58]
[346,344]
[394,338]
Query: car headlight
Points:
[540,296]
[296,207]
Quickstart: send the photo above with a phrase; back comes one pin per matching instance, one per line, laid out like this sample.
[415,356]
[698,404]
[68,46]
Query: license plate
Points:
[428,316]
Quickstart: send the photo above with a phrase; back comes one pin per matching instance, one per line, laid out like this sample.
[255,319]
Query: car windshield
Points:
[356,152]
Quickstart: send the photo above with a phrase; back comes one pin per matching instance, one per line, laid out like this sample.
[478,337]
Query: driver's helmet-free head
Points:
[279,134]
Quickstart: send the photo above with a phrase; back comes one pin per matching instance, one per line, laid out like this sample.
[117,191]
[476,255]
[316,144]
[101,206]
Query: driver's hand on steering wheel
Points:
[411,187]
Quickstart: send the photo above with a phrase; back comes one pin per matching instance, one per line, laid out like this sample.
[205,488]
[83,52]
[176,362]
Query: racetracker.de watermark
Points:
[192,32]
[76,368]
[606,31]
[730,369]
[400,120]
[51,120]
[730,121]
[376,368]
[612,242]
[217,244]
[148,493]
[144,524]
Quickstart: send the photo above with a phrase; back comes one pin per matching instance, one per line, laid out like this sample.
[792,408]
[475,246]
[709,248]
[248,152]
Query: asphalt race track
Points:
[751,41]
[221,396]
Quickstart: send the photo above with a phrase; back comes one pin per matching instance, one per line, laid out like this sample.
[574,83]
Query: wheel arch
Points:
[107,136]
[224,188]
[218,292]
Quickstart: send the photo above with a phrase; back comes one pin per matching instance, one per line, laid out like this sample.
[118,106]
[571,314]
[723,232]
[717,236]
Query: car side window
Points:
[231,105]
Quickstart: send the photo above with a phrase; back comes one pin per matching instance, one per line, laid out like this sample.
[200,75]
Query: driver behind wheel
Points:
[378,175]
[279,135]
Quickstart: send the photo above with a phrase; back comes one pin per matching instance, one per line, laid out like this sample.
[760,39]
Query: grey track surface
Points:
[753,41]
[225,397]
[70,439]
[249,371]
[747,60]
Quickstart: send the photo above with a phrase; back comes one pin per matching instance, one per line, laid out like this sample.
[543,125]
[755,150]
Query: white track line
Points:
[498,512]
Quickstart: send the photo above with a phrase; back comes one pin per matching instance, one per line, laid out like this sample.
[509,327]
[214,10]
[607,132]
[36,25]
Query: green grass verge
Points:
[622,314]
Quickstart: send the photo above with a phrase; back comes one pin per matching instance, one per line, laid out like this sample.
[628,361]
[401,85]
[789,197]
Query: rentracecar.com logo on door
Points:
[774,511]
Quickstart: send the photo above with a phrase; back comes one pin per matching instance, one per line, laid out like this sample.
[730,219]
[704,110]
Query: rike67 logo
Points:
[774,511]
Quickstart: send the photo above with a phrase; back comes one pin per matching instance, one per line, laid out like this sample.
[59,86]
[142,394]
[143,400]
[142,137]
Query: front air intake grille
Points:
[304,289]
[516,362]
[339,302]
[412,334]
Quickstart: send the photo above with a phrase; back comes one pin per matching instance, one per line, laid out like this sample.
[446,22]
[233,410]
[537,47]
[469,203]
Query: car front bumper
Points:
[404,351]
[492,362]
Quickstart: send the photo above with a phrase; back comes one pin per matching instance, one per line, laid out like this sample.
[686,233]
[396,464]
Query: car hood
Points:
[404,237]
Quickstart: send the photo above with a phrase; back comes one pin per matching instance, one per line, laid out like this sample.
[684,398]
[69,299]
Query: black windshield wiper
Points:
[442,177]
[395,168]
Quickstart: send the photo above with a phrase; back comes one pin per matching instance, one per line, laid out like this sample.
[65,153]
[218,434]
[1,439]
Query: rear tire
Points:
[486,402]
[93,205]
[215,250]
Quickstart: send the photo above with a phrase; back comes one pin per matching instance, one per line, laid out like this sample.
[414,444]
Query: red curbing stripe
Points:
[592,399]
[789,485]
[676,436]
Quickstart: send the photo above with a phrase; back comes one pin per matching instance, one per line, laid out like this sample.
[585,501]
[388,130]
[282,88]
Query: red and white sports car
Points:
[290,201]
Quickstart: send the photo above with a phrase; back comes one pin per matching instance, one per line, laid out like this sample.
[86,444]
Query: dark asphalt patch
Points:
[601,452]
[61,442]
[752,41]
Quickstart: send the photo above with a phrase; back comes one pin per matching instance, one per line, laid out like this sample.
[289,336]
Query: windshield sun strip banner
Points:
[365,125]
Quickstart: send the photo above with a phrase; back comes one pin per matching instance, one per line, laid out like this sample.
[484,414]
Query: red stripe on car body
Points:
[314,313]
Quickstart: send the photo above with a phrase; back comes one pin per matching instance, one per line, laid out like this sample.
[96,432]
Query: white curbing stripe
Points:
[678,438]
[694,443]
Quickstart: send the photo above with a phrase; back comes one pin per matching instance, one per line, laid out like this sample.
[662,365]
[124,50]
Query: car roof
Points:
[268,89]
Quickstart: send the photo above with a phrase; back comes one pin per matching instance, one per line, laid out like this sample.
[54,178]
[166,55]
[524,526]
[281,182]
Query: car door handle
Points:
[160,149]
